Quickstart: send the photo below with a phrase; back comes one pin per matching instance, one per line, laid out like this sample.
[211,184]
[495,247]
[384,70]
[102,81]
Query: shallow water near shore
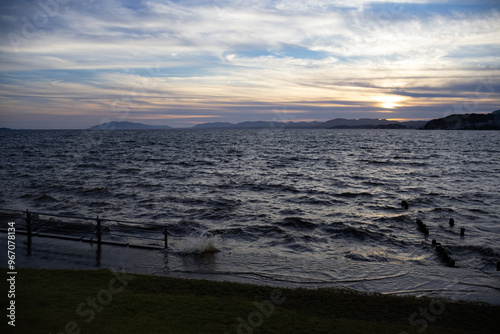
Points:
[280,271]
[286,207]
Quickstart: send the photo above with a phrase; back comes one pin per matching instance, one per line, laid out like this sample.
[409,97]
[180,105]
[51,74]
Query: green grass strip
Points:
[102,301]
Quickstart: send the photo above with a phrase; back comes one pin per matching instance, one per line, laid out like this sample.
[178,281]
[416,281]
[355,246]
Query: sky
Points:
[68,64]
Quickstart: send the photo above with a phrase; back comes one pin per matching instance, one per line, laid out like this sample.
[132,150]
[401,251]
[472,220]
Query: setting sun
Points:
[389,105]
[389,101]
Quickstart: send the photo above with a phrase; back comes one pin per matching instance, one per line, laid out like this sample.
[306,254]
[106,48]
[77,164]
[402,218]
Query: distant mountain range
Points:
[128,126]
[466,122]
[457,122]
[338,123]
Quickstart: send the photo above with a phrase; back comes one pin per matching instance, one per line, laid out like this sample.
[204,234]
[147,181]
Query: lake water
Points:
[292,207]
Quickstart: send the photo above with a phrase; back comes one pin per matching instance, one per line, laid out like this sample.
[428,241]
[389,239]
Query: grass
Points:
[57,301]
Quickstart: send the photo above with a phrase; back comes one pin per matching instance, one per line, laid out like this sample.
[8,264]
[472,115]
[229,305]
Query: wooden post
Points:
[28,230]
[166,237]
[99,233]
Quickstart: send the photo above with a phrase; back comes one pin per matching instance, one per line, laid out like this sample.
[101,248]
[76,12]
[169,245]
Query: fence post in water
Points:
[99,233]
[28,230]
[166,237]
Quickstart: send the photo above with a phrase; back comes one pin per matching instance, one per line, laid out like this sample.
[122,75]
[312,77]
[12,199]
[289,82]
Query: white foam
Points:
[199,244]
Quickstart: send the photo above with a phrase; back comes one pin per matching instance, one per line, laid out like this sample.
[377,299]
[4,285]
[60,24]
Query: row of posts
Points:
[98,232]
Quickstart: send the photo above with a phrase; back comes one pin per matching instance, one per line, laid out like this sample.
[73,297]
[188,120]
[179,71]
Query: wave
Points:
[352,195]
[149,185]
[99,204]
[198,244]
[296,222]
[130,170]
[482,250]
[91,166]
[374,183]
[378,162]
[300,248]
[443,210]
[217,213]
[476,210]
[96,190]
[342,231]
[315,201]
[204,163]
[272,187]
[399,219]
[235,231]
[186,227]
[46,198]
[268,231]
[356,257]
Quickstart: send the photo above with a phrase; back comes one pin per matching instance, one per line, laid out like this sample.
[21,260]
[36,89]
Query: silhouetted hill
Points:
[218,125]
[391,126]
[338,123]
[128,126]
[466,122]
[342,123]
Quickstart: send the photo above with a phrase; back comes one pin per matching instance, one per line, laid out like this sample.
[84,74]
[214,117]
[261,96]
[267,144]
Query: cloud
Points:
[240,59]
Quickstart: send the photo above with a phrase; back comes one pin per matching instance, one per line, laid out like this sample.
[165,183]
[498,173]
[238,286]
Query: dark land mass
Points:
[128,126]
[453,122]
[466,122]
[338,123]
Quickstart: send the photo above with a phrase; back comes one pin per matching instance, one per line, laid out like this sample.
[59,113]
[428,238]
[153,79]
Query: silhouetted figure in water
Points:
[452,222]
[462,232]
[404,204]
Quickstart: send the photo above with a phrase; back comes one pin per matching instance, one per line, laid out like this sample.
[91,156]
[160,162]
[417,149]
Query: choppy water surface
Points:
[308,207]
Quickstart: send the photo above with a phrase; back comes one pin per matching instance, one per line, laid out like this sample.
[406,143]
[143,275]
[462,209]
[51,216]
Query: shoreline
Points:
[389,279]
